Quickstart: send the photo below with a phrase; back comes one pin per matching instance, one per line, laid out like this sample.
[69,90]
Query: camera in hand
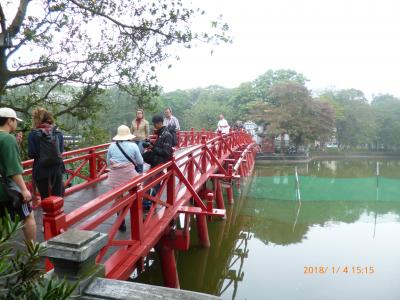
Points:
[146,143]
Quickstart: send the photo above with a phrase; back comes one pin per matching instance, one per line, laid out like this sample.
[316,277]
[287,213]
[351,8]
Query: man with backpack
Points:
[45,146]
[11,178]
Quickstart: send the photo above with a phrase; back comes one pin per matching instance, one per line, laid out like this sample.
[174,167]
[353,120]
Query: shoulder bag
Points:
[15,197]
[126,156]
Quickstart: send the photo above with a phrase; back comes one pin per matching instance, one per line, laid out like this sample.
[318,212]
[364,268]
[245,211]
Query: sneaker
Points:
[122,227]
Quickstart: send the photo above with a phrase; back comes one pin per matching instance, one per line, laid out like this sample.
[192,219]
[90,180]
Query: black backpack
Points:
[49,148]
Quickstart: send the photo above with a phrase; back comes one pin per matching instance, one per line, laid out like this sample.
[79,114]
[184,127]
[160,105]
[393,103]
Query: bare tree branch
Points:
[27,72]
[25,83]
[88,91]
[19,18]
[120,24]
[45,95]
[23,41]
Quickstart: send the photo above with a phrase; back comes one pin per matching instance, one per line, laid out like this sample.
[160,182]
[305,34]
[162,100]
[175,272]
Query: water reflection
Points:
[346,216]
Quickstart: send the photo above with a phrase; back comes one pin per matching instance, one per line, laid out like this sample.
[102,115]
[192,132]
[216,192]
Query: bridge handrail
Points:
[93,167]
[180,178]
[154,171]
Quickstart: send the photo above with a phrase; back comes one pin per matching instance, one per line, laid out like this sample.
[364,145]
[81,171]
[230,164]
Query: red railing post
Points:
[201,220]
[229,191]
[190,170]
[178,139]
[218,193]
[53,216]
[168,265]
[192,136]
[202,230]
[53,219]
[220,144]
[92,165]
[171,182]
[210,199]
[136,214]
[204,157]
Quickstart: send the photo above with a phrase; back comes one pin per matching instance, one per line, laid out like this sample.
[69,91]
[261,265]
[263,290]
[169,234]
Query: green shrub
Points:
[20,275]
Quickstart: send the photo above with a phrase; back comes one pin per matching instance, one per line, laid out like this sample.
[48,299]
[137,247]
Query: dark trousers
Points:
[52,186]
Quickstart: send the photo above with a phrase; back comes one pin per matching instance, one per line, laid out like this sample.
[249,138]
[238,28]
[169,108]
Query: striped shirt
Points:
[173,121]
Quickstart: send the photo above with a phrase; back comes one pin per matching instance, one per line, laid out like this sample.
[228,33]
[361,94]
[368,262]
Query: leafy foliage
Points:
[91,44]
[20,277]
[387,116]
[293,111]
[356,124]
[264,82]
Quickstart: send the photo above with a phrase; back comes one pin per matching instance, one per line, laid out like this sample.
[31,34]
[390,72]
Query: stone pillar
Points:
[73,254]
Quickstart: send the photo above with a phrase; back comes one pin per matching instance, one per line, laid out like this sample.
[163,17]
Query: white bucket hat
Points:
[6,112]
[123,134]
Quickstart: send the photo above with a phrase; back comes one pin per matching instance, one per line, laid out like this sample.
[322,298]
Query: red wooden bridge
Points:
[191,183]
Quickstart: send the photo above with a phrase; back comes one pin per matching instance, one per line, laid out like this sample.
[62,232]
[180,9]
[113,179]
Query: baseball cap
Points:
[6,112]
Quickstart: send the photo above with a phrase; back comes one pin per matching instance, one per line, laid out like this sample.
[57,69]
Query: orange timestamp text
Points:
[339,269]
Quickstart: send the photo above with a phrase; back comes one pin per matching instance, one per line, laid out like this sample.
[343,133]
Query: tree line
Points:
[278,99]
[93,82]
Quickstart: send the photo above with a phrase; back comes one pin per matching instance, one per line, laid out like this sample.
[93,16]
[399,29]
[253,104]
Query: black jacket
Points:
[162,148]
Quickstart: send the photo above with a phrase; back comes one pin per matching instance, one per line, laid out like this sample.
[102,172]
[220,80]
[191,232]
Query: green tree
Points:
[205,113]
[20,277]
[264,82]
[293,111]
[356,125]
[240,99]
[387,111]
[185,104]
[55,42]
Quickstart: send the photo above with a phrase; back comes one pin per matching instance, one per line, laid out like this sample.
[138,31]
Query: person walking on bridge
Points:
[123,157]
[172,124]
[223,125]
[45,146]
[170,120]
[11,178]
[140,128]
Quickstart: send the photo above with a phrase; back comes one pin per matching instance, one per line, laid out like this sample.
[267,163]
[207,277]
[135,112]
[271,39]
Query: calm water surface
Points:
[332,234]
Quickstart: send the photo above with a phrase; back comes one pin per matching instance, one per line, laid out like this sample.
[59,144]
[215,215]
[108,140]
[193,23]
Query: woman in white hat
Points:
[123,157]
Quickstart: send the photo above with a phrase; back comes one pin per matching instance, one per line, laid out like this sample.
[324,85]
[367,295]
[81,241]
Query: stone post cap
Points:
[75,245]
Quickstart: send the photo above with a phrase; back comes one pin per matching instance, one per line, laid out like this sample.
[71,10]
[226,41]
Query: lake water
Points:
[331,232]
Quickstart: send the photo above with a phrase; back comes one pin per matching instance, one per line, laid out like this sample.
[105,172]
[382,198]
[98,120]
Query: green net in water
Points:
[325,189]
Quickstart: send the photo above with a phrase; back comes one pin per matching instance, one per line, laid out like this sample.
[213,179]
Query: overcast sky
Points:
[335,44]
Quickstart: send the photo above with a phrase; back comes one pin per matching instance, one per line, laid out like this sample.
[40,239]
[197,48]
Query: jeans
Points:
[140,145]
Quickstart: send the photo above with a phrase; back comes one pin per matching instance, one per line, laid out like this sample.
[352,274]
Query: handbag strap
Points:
[123,152]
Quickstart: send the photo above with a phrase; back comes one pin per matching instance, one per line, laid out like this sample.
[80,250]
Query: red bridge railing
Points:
[191,183]
[89,164]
